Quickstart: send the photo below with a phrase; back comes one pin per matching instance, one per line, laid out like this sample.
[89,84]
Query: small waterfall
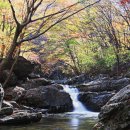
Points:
[73,92]
[79,108]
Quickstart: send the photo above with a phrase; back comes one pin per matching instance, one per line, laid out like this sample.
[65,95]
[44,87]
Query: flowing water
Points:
[79,108]
[79,119]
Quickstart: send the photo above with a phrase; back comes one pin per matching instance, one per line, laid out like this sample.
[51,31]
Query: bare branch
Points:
[13,12]
[56,13]
[58,21]
[48,7]
[31,8]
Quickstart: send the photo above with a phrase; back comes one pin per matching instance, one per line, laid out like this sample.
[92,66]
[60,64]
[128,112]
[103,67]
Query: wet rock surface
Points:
[13,114]
[115,115]
[94,101]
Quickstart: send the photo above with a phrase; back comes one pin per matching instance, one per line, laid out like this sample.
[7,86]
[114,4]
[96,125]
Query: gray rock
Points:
[14,93]
[1,96]
[14,104]
[48,97]
[127,75]
[6,104]
[34,83]
[104,85]
[94,101]
[19,118]
[34,76]
[78,79]
[30,109]
[23,68]
[115,115]
[6,111]
[13,78]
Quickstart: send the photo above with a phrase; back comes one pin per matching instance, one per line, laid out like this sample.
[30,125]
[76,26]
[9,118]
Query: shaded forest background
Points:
[86,36]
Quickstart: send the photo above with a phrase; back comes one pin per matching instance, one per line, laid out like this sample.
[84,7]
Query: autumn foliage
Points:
[123,2]
[85,38]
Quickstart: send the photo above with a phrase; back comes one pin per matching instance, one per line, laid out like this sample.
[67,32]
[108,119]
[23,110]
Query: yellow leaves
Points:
[4,5]
[2,35]
[4,39]
[93,11]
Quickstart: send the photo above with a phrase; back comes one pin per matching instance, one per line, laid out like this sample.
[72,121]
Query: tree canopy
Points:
[85,34]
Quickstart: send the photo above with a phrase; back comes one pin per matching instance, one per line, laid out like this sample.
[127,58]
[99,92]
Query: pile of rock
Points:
[96,94]
[12,114]
[51,97]
[115,115]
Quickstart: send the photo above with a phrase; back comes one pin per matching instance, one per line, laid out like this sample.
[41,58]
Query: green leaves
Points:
[72,42]
[4,5]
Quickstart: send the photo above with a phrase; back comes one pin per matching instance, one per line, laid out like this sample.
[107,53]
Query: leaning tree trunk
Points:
[6,60]
[11,50]
[12,68]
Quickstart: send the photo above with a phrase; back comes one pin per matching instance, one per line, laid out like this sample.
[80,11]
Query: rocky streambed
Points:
[113,104]
[26,100]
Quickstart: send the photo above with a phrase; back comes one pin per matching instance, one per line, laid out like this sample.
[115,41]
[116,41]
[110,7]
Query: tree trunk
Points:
[11,50]
[12,68]
[72,57]
[118,63]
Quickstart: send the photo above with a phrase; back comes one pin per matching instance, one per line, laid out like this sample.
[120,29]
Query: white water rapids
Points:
[79,108]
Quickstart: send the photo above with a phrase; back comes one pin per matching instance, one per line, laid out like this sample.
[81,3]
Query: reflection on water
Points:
[58,122]
[74,121]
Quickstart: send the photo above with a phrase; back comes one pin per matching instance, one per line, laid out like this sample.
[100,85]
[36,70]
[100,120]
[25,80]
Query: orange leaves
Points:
[123,2]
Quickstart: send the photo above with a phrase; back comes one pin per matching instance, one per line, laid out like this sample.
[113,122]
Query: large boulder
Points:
[115,115]
[34,83]
[20,118]
[13,79]
[104,85]
[48,97]
[94,101]
[23,68]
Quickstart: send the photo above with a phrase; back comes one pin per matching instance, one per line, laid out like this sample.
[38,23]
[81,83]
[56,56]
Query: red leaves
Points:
[123,2]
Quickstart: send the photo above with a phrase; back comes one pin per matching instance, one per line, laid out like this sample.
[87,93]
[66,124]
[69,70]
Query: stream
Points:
[79,119]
